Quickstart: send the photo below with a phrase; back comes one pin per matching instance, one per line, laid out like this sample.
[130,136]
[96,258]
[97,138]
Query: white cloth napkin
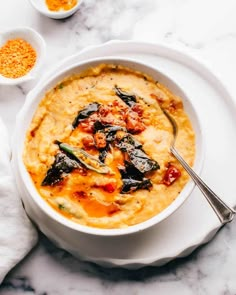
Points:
[17,235]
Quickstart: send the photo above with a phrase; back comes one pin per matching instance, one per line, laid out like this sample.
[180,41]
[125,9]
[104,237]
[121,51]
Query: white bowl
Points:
[41,6]
[35,40]
[65,233]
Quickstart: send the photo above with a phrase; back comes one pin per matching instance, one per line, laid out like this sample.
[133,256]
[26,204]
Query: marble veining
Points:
[206,28]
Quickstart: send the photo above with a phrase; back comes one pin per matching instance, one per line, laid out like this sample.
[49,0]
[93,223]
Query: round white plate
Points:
[195,222]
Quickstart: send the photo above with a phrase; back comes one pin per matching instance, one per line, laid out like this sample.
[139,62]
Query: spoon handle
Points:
[224,212]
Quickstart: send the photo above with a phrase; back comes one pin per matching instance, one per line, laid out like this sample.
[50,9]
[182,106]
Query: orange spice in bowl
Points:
[17,58]
[56,5]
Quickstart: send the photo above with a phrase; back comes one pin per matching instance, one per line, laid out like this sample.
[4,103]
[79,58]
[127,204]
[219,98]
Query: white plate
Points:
[194,223]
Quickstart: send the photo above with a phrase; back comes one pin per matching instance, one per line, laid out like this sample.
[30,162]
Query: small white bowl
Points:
[41,6]
[35,40]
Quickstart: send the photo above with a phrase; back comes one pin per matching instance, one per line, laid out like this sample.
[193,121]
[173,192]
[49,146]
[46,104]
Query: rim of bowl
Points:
[36,96]
[55,14]
[31,36]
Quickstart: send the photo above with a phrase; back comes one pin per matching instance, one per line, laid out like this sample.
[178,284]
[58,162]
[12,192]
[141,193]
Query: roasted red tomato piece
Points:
[109,187]
[172,173]
[134,123]
[88,141]
[108,119]
[88,124]
[137,108]
[100,140]
[104,110]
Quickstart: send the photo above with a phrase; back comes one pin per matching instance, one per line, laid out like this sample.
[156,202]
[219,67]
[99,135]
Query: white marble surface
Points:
[205,27]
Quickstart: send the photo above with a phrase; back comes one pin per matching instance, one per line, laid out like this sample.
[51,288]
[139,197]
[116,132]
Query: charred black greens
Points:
[133,175]
[133,179]
[129,99]
[108,130]
[85,113]
[128,142]
[89,161]
[137,156]
[61,166]
[103,154]
[131,185]
[141,161]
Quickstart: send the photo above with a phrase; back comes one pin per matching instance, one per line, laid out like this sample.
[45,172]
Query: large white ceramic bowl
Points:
[64,232]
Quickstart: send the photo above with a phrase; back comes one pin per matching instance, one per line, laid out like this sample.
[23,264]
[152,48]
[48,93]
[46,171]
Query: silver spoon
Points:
[223,211]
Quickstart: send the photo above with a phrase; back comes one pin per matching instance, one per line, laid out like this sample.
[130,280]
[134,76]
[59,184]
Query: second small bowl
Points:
[41,6]
[35,40]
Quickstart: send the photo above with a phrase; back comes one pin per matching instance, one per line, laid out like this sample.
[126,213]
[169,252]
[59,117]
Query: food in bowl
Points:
[97,148]
[57,9]
[17,58]
[56,5]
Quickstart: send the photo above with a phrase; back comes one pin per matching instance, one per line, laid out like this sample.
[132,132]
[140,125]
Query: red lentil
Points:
[56,5]
[17,58]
